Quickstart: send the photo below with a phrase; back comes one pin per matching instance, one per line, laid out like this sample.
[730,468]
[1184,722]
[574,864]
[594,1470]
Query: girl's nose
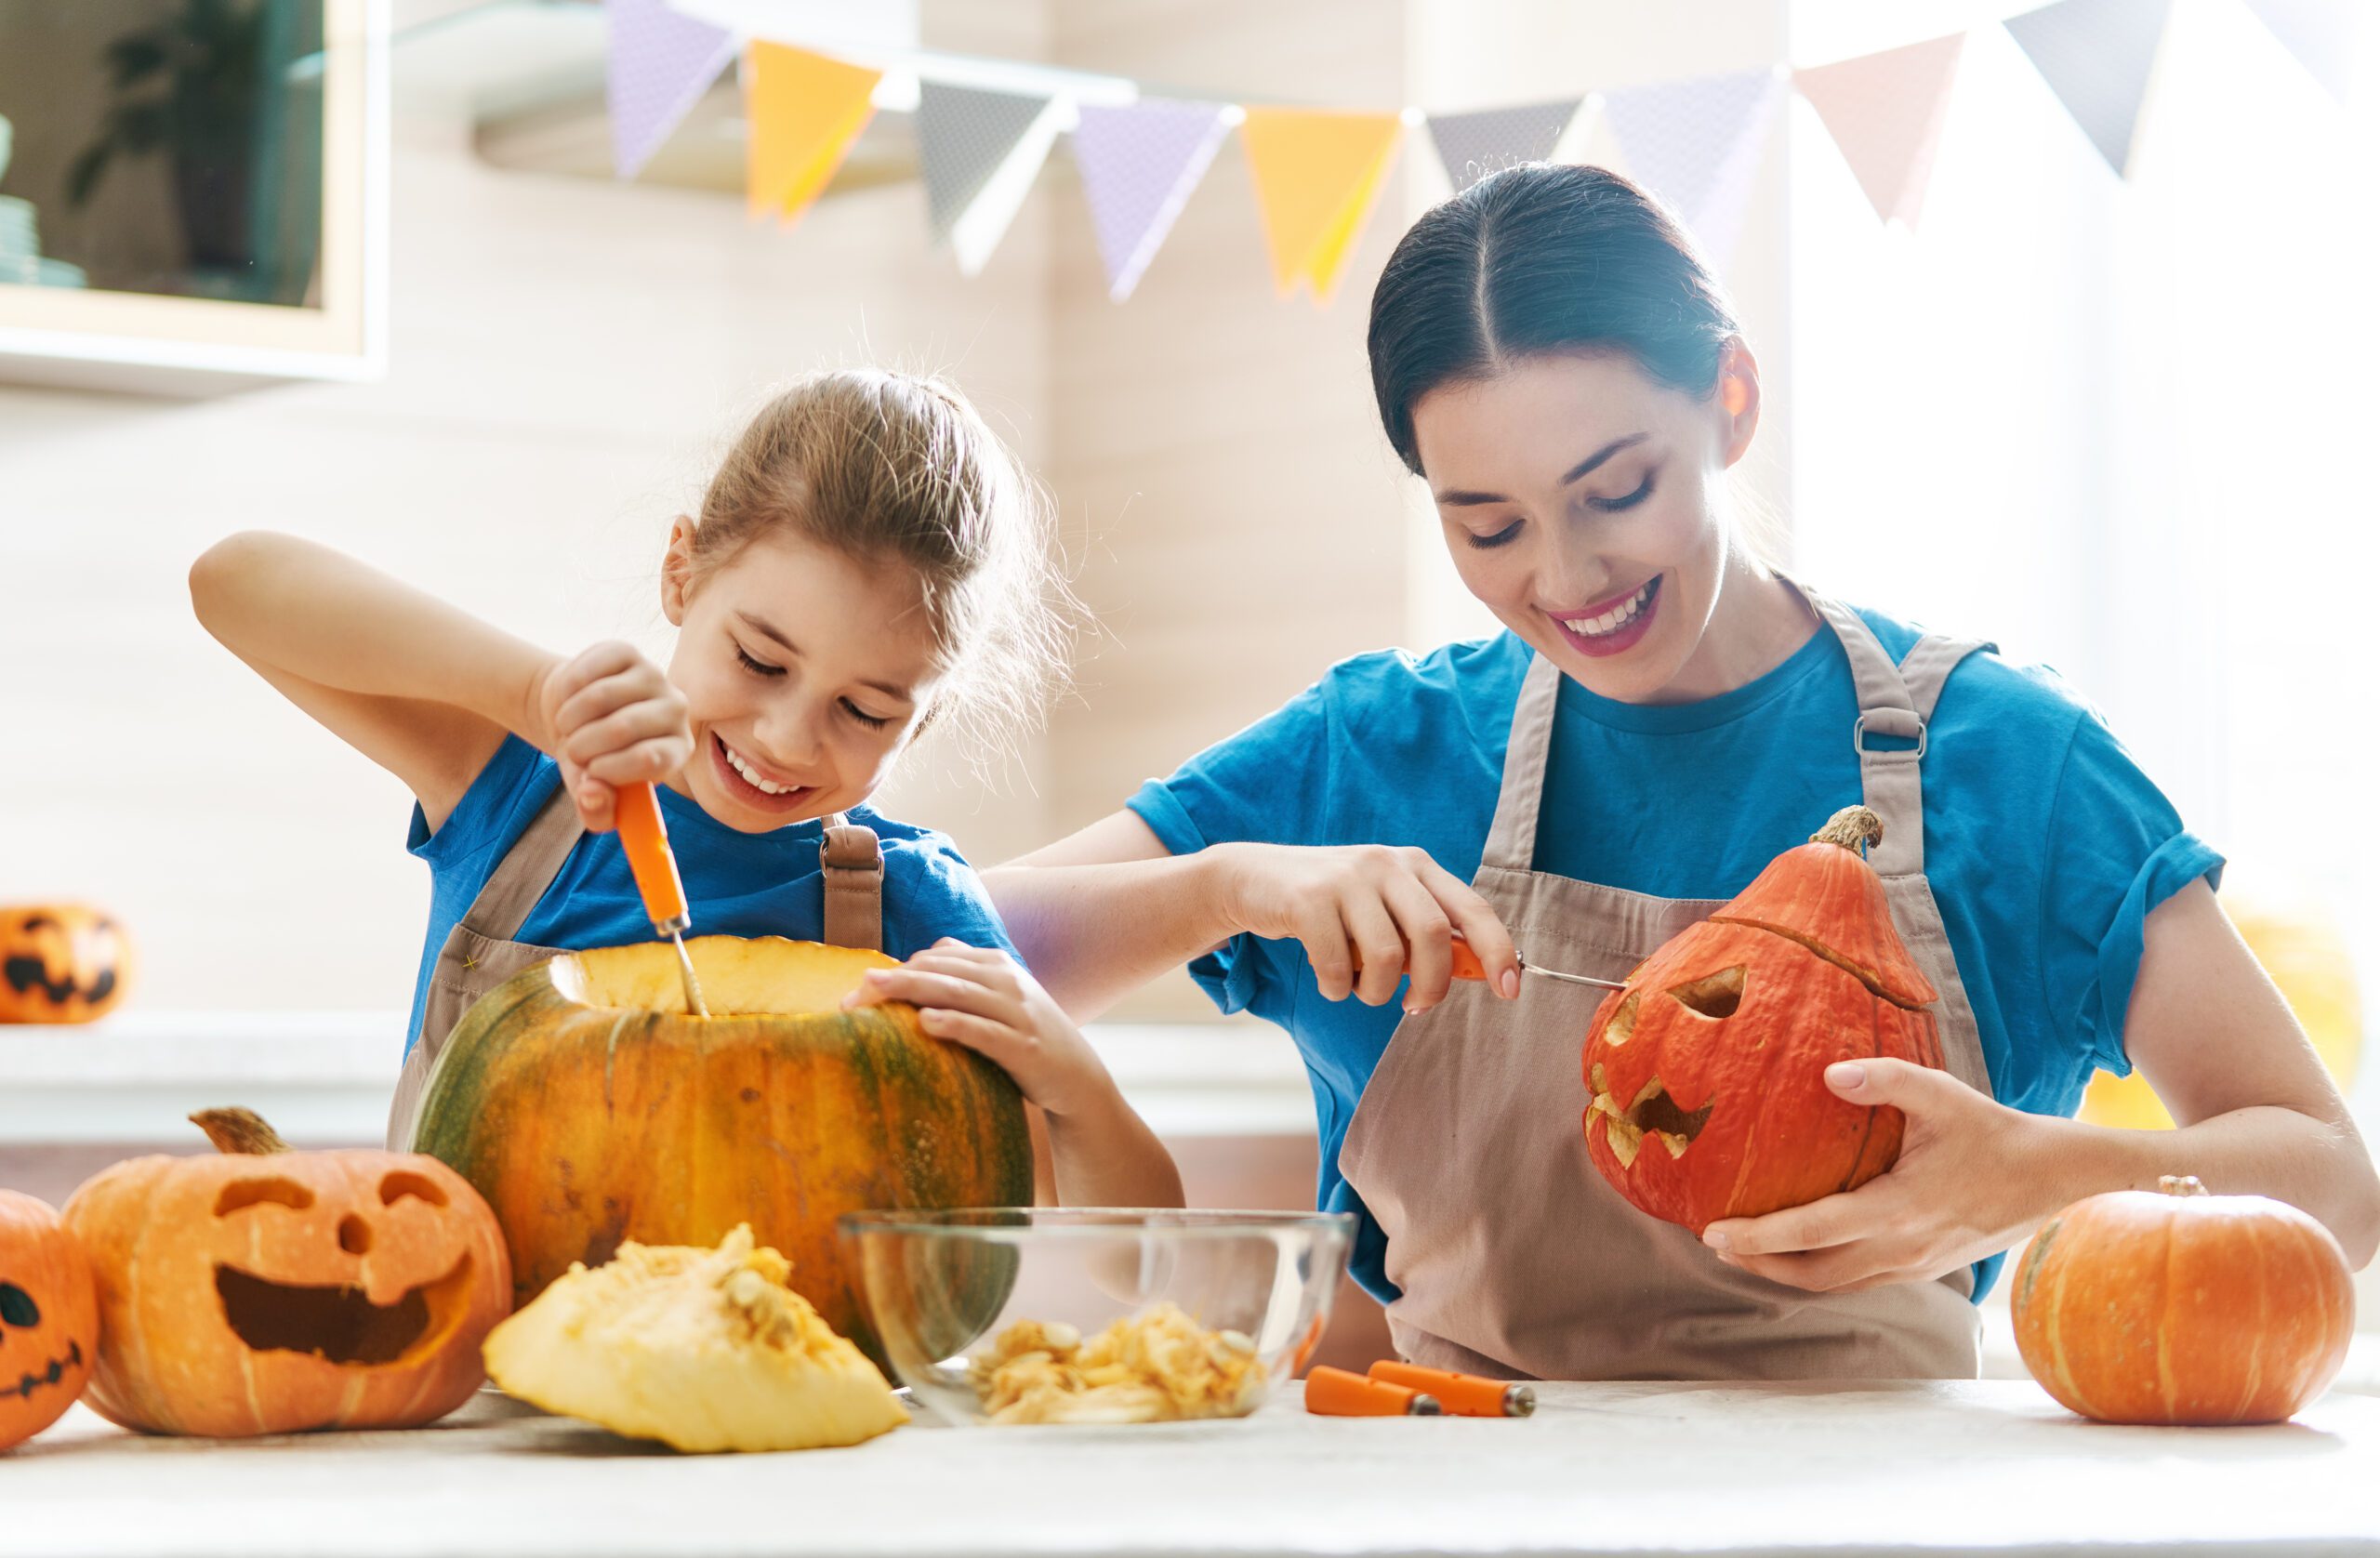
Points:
[790,735]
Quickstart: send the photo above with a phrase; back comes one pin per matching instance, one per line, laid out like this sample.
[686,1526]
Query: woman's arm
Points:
[2256,1115]
[1103,912]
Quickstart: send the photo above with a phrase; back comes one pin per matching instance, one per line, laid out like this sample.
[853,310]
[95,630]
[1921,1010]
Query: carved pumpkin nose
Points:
[355,1234]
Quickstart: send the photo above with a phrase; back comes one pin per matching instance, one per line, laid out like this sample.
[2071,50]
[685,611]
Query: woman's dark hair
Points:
[1540,258]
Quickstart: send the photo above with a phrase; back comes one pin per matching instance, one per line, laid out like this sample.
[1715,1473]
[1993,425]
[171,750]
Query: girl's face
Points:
[1583,503]
[804,673]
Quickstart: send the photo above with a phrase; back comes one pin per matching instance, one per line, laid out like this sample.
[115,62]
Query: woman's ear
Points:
[1739,398]
[678,571]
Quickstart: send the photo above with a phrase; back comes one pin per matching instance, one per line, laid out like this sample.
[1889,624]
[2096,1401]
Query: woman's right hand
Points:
[610,718]
[1394,911]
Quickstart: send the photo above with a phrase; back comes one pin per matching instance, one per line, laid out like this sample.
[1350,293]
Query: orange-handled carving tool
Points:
[1466,965]
[1334,1393]
[1464,1395]
[636,813]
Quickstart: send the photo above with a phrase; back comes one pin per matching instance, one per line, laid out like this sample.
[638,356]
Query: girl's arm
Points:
[2256,1115]
[424,689]
[1102,913]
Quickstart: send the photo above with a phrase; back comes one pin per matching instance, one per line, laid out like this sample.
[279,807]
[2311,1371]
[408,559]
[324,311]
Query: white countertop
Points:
[1613,1468]
[324,1077]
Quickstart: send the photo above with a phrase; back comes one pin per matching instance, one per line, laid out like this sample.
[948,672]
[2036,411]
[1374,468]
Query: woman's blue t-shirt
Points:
[2045,845]
[739,884]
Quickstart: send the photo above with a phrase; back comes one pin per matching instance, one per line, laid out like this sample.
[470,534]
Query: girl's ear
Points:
[678,571]
[1739,398]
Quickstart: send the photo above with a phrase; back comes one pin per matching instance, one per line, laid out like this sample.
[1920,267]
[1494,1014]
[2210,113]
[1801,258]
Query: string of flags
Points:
[1319,173]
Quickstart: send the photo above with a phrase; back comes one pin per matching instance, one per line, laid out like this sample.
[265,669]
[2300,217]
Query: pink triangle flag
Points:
[1885,112]
[1139,164]
[660,64]
[1697,144]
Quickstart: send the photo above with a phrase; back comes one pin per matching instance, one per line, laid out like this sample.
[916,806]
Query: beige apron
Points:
[1515,1257]
[479,953]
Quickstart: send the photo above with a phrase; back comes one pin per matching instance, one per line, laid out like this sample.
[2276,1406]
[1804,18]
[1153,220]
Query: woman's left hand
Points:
[1968,1185]
[979,997]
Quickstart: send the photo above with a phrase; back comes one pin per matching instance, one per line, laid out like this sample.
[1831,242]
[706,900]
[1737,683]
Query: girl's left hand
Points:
[979,997]
[1969,1184]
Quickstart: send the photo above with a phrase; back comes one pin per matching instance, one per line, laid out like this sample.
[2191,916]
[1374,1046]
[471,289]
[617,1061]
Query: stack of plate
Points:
[20,259]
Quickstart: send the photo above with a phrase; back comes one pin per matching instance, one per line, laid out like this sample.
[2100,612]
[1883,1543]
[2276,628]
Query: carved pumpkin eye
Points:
[16,1306]
[1715,994]
[248,1193]
[400,1184]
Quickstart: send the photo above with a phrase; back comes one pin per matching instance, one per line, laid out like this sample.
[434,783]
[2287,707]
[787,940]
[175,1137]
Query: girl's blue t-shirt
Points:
[2045,845]
[739,884]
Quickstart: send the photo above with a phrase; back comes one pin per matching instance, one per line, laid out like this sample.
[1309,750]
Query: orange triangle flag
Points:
[1885,112]
[1317,174]
[805,110]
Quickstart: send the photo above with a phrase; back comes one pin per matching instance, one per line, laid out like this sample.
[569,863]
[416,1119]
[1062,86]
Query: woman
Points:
[1664,714]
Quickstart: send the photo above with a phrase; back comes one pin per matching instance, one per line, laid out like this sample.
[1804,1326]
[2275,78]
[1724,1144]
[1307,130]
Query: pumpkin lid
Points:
[1826,896]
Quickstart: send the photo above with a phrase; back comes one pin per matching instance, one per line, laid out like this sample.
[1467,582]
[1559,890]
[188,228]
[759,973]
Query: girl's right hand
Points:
[610,717]
[1395,910]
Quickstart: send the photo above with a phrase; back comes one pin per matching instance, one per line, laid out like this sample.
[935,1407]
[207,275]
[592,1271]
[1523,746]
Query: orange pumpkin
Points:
[49,1318]
[2175,1306]
[272,1292]
[61,963]
[1706,1071]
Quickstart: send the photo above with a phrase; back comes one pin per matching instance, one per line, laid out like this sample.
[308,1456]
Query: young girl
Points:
[1664,715]
[868,559]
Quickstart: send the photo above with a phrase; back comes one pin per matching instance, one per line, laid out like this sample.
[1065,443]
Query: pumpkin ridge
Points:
[1826,954]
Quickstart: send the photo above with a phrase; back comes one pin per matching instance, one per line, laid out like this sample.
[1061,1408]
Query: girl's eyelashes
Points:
[873,721]
[1499,538]
[755,666]
[1614,504]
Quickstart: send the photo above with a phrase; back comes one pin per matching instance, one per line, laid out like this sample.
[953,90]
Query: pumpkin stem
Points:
[2180,1184]
[239,1130]
[1855,827]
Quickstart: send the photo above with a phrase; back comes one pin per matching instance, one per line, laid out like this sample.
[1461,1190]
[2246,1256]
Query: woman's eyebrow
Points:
[1469,499]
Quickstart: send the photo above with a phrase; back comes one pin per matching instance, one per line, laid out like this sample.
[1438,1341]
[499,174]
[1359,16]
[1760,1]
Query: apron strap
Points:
[1511,837]
[526,870]
[853,863]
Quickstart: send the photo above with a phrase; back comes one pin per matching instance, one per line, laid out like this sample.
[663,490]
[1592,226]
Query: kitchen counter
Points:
[1989,1466]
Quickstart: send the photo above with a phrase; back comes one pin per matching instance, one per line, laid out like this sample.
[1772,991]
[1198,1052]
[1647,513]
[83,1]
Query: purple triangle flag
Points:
[2097,56]
[1697,144]
[659,66]
[1139,164]
[2323,35]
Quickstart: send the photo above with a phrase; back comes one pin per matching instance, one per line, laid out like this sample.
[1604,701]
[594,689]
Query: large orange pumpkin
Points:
[2175,1306]
[61,963]
[590,1108]
[1705,1073]
[270,1291]
[49,1318]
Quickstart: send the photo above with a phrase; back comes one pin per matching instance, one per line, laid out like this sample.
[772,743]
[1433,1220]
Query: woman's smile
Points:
[1612,626]
[753,784]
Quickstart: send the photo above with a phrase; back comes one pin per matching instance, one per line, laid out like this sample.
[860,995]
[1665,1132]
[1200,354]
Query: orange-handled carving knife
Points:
[642,835]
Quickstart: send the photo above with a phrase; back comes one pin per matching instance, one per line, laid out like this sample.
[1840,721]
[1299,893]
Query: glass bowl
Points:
[1022,1314]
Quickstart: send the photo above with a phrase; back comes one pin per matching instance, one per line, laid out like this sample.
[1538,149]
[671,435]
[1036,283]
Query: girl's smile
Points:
[754,784]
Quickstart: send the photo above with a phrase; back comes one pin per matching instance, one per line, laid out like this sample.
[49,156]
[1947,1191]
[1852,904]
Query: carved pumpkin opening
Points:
[26,1383]
[739,978]
[340,1324]
[396,1186]
[1623,1021]
[16,1307]
[250,1192]
[1716,995]
[1653,1113]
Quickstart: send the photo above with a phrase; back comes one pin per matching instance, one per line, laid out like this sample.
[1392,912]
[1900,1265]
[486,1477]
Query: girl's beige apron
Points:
[1513,1257]
[479,953]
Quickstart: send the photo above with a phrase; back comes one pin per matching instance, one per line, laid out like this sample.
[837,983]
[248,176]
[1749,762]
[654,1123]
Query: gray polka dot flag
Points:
[1139,163]
[964,133]
[1475,145]
[2096,55]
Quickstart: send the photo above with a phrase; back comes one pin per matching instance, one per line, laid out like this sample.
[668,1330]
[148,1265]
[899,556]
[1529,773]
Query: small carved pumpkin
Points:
[2175,1306]
[49,1318]
[61,963]
[272,1292]
[1706,1072]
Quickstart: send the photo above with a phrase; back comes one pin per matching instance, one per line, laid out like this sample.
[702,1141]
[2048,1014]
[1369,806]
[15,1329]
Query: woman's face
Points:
[804,672]
[1584,503]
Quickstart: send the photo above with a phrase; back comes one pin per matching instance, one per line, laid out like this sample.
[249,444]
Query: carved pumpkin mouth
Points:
[1653,1113]
[339,1325]
[59,1369]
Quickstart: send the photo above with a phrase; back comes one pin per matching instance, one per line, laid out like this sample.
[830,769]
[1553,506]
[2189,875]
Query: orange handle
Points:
[638,814]
[1334,1393]
[1465,961]
[1465,1395]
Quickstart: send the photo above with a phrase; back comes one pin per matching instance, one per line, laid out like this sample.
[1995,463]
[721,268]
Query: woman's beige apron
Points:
[1513,1256]
[479,953]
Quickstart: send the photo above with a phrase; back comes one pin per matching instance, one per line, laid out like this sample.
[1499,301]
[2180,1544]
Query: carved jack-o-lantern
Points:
[270,1291]
[1706,1074]
[49,1318]
[61,963]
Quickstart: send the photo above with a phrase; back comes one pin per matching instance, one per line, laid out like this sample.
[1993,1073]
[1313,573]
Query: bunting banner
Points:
[804,111]
[1886,113]
[658,66]
[2322,35]
[1139,164]
[1697,144]
[2097,56]
[981,152]
[1475,145]
[1318,173]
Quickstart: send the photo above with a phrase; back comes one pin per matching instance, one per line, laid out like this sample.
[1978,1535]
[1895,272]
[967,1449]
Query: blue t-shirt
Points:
[739,884]
[2045,845]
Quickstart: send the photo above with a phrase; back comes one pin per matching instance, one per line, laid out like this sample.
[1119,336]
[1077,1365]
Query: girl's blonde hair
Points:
[892,466]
